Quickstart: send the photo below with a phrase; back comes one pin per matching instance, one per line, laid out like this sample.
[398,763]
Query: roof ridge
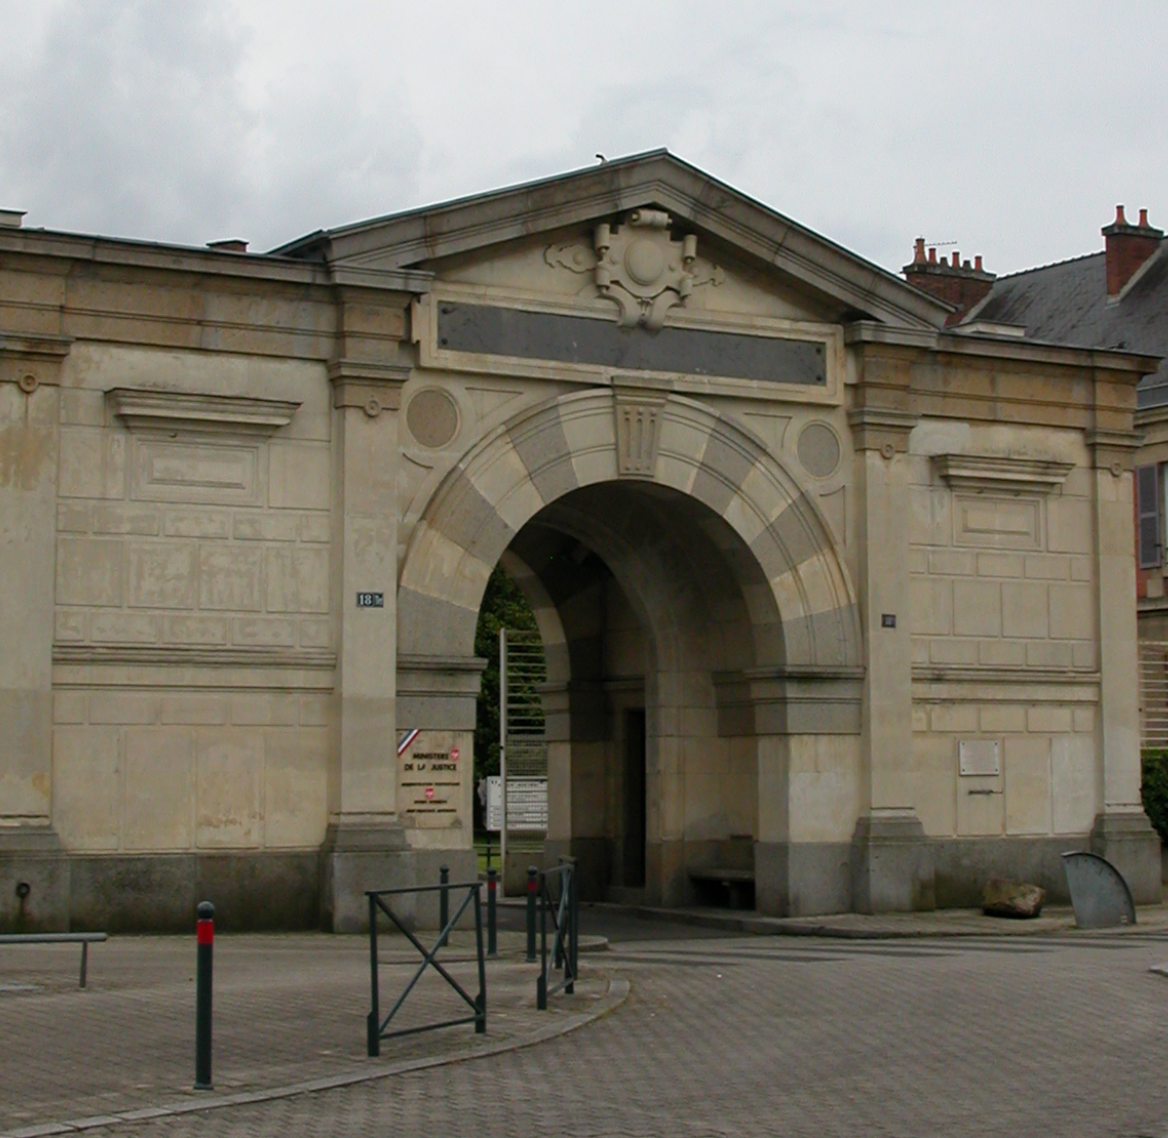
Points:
[497,192]
[1051,265]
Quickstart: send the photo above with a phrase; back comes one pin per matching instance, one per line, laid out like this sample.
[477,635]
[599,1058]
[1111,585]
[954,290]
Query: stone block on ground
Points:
[1002,898]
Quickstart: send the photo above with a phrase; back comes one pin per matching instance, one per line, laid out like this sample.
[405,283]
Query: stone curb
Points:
[617,993]
[786,926]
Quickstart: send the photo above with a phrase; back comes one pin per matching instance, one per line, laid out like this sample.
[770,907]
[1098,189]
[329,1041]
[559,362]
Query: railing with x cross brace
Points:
[565,913]
[375,1025]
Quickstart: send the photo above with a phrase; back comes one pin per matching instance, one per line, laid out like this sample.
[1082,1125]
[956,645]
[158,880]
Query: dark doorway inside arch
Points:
[655,617]
[633,867]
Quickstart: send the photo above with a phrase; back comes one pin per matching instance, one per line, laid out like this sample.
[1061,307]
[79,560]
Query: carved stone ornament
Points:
[642,268]
[638,421]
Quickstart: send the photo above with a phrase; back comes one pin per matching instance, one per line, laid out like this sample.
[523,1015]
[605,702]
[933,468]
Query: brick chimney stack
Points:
[1128,247]
[954,281]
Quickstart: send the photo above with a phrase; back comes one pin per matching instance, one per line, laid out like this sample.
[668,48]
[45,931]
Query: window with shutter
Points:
[1148,515]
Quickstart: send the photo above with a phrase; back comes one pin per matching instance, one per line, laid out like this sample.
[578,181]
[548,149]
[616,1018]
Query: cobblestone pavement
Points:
[288,1009]
[752,1036]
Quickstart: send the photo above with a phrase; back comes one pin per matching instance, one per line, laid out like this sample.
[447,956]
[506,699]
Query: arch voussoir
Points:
[547,452]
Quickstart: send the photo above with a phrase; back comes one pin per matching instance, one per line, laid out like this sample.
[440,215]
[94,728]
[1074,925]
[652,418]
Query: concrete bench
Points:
[83,939]
[735,883]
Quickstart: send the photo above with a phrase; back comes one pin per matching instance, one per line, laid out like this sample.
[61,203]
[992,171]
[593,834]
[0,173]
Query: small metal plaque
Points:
[979,758]
[371,600]
[888,620]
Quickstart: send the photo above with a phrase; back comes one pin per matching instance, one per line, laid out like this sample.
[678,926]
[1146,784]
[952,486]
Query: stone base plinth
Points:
[34,881]
[355,858]
[802,879]
[1128,841]
[892,864]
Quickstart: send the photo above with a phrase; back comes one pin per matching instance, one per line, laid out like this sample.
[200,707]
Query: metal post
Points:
[532,885]
[492,929]
[575,922]
[572,921]
[443,901]
[205,939]
[481,1000]
[84,961]
[503,753]
[373,1020]
[541,982]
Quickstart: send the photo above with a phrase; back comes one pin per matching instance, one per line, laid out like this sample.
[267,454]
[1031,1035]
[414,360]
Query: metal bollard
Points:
[571,961]
[532,886]
[443,901]
[492,932]
[205,937]
[541,979]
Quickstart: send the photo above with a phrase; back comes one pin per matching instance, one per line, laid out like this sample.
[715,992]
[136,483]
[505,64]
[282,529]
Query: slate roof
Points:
[1067,303]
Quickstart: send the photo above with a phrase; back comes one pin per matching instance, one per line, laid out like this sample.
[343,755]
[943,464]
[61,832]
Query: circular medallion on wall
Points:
[432,417]
[818,449]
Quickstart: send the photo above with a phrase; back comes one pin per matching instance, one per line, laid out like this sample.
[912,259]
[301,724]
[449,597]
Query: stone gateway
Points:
[836,603]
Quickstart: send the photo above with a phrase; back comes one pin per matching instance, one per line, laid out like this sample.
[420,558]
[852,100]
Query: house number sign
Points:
[371,600]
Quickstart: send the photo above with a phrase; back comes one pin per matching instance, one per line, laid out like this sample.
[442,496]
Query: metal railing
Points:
[1153,695]
[83,939]
[565,914]
[375,1025]
[523,746]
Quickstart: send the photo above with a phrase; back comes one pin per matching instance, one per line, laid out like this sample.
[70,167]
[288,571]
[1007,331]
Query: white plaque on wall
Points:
[979,757]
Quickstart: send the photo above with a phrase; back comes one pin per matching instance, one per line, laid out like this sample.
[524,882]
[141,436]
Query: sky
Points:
[1010,128]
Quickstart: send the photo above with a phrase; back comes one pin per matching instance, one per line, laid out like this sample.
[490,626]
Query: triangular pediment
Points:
[756,238]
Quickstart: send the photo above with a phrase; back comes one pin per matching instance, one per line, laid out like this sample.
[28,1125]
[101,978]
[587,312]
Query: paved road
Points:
[752,1036]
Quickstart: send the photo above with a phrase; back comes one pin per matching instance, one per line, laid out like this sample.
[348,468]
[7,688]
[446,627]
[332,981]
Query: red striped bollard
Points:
[205,936]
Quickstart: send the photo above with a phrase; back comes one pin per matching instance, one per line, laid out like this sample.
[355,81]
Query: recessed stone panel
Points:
[168,470]
[158,800]
[86,804]
[1000,523]
[229,578]
[164,575]
[229,789]
[89,571]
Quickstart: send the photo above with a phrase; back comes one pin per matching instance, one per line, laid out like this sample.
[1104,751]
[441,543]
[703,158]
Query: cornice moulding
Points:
[34,347]
[1151,416]
[982,472]
[182,656]
[885,429]
[172,410]
[988,674]
[374,387]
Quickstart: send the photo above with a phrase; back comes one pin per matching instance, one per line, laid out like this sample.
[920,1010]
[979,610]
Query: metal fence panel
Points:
[1153,694]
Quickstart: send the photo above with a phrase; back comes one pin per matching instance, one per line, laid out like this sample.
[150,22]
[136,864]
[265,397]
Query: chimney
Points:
[232,245]
[11,218]
[1128,248]
[952,281]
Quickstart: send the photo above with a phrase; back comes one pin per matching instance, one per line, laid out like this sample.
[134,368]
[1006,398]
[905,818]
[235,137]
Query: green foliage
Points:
[504,606]
[1154,789]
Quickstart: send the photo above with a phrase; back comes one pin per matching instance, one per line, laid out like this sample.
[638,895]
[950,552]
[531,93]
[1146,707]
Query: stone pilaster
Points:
[34,878]
[892,862]
[1122,832]
[365,847]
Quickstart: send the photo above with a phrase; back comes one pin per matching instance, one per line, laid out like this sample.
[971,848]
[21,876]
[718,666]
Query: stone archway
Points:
[572,442]
[729,574]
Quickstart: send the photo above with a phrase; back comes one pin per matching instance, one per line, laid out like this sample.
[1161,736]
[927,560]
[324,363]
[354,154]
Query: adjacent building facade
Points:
[855,589]
[1114,298]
